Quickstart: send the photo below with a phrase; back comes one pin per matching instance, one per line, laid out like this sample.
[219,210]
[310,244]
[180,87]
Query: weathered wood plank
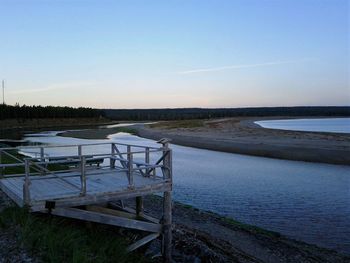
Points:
[109,211]
[133,211]
[107,219]
[142,241]
[105,197]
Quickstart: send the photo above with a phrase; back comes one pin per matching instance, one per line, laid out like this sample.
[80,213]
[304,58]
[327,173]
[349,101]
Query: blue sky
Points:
[152,54]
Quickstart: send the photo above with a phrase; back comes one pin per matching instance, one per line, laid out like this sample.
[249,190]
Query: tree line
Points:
[202,113]
[41,112]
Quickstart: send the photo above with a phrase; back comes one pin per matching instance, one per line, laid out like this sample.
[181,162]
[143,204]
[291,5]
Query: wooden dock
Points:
[92,187]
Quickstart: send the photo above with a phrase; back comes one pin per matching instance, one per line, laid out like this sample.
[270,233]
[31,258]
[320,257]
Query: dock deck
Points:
[102,185]
[88,186]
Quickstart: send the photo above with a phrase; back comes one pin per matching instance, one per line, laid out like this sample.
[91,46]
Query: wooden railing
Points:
[136,159]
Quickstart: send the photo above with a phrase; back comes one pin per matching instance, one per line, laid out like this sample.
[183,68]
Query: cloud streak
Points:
[242,66]
[58,86]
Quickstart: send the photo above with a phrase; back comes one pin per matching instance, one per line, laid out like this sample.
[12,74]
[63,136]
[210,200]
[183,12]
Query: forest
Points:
[202,113]
[40,112]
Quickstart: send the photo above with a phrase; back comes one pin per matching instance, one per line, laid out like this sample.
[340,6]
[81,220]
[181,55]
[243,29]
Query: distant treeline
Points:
[40,112]
[200,113]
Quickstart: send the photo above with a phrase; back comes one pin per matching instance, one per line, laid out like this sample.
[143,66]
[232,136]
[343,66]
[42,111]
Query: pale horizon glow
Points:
[175,54]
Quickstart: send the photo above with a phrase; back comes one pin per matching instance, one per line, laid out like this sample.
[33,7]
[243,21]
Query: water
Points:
[340,125]
[305,201]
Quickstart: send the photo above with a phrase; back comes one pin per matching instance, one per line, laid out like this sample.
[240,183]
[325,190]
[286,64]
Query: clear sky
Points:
[189,53]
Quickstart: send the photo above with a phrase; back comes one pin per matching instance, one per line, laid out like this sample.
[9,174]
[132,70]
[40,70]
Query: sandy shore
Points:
[241,135]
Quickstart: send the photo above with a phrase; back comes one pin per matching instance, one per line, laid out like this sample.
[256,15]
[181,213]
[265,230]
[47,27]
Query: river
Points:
[304,201]
[338,125]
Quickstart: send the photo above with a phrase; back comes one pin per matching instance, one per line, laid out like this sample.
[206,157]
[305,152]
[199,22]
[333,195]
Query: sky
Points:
[178,53]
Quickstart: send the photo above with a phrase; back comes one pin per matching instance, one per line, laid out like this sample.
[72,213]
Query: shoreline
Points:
[202,236]
[242,136]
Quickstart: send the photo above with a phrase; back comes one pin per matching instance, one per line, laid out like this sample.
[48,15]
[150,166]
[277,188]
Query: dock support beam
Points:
[1,168]
[167,202]
[167,235]
[26,191]
[139,206]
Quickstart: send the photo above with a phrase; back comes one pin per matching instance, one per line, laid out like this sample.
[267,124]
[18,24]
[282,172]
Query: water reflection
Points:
[306,201]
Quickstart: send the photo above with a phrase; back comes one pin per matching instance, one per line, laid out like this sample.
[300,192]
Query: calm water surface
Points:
[340,125]
[305,201]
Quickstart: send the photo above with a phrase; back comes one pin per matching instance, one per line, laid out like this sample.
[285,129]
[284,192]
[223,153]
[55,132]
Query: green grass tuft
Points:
[185,124]
[250,228]
[5,159]
[58,240]
[126,130]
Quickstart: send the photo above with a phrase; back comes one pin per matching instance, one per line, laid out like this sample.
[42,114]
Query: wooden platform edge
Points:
[105,197]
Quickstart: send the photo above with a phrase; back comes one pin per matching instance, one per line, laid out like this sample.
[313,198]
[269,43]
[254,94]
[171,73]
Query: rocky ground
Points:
[10,249]
[199,236]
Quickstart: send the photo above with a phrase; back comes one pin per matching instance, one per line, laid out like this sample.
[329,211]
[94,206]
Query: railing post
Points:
[167,203]
[26,191]
[42,159]
[80,151]
[167,162]
[130,167]
[83,175]
[147,160]
[113,151]
[1,169]
[139,206]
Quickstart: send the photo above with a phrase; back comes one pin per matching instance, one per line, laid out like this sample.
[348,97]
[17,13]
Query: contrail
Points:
[243,66]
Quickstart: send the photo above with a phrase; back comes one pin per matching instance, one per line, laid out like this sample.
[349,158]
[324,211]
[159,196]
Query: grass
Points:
[186,124]
[56,239]
[5,159]
[126,130]
[251,228]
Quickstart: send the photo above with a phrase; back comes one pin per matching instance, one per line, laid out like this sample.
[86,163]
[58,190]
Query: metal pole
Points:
[3,92]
